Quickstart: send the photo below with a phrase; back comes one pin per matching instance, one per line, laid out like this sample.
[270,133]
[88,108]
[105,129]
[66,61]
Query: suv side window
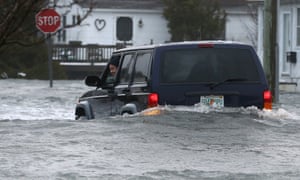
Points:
[143,61]
[126,68]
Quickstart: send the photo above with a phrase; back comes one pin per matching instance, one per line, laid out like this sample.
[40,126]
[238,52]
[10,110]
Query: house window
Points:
[298,26]
[61,34]
[124,28]
[74,20]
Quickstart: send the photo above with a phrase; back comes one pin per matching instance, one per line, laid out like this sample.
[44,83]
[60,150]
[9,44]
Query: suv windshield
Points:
[207,65]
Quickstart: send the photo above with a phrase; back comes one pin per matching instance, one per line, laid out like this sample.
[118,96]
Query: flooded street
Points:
[41,140]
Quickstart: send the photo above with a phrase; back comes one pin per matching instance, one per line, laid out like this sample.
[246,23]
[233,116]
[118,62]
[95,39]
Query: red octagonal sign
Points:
[47,20]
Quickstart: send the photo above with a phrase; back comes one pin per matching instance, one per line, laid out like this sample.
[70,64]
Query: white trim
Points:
[282,51]
[141,11]
[81,64]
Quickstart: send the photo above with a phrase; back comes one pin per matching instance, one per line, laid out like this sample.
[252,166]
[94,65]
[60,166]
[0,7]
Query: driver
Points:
[113,66]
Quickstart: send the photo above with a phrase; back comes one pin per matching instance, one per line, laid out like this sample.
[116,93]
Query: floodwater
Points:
[39,139]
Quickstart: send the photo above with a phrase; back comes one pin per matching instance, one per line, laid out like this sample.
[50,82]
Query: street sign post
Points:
[48,21]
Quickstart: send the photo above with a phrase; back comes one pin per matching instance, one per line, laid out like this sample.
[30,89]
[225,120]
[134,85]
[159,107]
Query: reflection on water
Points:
[41,140]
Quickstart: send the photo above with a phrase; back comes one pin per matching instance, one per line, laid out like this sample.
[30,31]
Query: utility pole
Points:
[270,46]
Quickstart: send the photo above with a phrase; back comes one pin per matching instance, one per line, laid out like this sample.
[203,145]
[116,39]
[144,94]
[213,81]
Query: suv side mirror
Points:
[93,81]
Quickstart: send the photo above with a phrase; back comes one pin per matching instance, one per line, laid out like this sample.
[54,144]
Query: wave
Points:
[278,113]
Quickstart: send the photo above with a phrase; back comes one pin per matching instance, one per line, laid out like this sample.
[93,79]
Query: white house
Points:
[115,21]
[140,22]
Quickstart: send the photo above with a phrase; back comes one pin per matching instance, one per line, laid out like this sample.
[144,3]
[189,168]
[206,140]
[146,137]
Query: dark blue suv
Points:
[211,73]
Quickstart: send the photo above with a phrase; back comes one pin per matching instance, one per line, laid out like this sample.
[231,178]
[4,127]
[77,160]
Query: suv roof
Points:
[180,43]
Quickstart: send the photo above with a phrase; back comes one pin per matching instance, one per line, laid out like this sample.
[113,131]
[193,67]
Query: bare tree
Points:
[17,20]
[253,26]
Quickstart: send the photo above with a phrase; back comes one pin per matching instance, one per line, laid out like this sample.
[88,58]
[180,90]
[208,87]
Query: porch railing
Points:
[82,53]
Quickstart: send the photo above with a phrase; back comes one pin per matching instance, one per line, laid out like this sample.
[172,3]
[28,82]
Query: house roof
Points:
[122,4]
[289,1]
[282,2]
[227,3]
[144,4]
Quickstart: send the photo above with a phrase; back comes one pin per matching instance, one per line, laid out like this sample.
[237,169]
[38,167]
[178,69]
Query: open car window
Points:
[107,78]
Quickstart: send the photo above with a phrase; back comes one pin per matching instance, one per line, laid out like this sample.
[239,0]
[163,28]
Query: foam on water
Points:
[275,113]
[279,113]
[34,100]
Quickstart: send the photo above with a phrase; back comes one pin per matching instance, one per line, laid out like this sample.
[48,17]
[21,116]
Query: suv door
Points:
[132,90]
[139,89]
[124,78]
[99,100]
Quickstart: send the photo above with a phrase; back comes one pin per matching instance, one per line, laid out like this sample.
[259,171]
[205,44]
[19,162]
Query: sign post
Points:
[48,21]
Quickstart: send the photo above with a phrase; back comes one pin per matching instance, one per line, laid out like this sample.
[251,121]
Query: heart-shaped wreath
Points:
[100,24]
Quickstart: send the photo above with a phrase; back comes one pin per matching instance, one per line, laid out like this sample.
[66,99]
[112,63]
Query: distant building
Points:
[116,21]
[139,22]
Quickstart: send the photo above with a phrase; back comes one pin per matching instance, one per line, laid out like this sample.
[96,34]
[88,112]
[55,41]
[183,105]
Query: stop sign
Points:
[47,20]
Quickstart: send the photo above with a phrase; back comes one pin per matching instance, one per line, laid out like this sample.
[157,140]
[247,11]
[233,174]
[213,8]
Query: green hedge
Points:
[33,61]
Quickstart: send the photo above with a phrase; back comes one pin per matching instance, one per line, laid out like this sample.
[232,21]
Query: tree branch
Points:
[17,24]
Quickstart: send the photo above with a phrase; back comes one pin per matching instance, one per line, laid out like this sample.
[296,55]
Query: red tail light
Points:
[208,45]
[267,99]
[152,100]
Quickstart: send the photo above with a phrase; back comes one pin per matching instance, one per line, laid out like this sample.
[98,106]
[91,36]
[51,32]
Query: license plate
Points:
[212,101]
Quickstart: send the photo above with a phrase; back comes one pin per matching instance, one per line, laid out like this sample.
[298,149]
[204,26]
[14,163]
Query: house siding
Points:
[153,29]
[289,76]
